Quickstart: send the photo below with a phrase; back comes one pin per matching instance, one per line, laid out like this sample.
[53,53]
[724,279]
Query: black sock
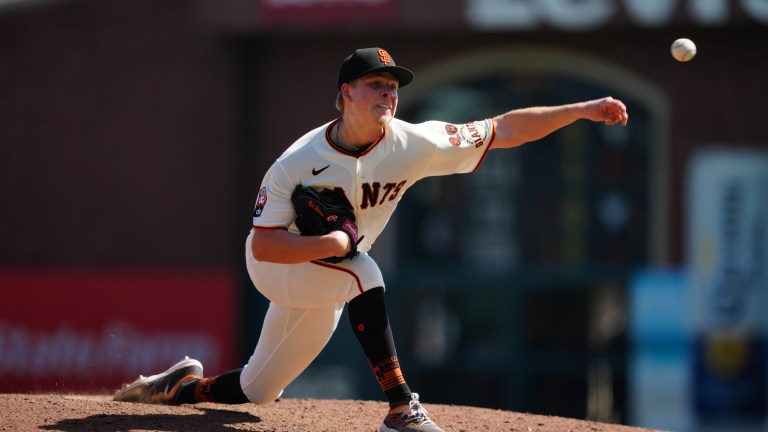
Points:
[187,392]
[224,388]
[370,323]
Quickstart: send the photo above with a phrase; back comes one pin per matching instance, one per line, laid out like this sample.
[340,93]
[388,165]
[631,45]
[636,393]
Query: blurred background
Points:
[615,274]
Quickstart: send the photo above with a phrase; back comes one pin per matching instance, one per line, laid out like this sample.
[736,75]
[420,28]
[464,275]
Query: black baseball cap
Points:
[368,60]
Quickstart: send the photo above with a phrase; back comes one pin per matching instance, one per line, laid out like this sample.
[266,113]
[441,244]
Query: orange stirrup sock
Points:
[203,391]
[388,373]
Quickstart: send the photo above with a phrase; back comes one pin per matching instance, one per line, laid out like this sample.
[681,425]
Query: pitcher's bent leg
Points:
[290,340]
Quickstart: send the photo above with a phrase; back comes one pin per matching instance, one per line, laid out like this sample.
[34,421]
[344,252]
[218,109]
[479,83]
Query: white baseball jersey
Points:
[375,180]
[307,299]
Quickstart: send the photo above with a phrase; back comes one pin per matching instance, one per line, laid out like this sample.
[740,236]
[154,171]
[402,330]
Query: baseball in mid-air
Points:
[683,49]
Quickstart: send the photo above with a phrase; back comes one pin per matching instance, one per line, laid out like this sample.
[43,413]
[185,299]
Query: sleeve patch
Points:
[261,201]
[474,133]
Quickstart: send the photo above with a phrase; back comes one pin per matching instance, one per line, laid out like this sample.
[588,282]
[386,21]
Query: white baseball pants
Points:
[306,301]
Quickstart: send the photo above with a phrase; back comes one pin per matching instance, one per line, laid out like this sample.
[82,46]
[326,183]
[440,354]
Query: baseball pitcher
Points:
[318,212]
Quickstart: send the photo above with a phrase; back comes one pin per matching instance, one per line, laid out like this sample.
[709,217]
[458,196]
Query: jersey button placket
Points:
[360,178]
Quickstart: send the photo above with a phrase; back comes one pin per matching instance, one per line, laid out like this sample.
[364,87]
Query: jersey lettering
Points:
[371,193]
[398,188]
[387,190]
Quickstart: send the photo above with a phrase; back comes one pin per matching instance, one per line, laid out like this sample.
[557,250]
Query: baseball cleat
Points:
[410,417]
[163,387]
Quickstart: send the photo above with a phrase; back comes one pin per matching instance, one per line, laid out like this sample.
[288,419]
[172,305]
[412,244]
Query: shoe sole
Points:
[187,362]
[384,428]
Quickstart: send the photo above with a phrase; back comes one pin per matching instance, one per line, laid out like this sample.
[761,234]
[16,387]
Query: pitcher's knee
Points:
[260,396]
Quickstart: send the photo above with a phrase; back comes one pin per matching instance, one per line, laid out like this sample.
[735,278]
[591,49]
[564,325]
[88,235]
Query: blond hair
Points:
[340,102]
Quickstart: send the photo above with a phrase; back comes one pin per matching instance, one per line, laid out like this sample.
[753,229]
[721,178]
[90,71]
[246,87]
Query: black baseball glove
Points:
[319,213]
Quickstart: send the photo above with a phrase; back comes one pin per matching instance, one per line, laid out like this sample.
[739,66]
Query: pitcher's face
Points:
[375,95]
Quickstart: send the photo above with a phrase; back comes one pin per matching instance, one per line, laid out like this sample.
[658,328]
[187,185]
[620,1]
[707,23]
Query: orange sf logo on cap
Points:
[384,57]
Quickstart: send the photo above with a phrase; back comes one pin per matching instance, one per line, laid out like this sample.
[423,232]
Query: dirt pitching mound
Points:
[78,413]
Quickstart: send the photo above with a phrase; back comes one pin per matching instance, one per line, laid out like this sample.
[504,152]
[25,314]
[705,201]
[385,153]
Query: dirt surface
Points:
[73,413]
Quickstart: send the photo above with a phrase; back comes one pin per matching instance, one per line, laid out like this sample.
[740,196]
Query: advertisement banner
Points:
[728,258]
[590,15]
[315,13]
[90,331]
